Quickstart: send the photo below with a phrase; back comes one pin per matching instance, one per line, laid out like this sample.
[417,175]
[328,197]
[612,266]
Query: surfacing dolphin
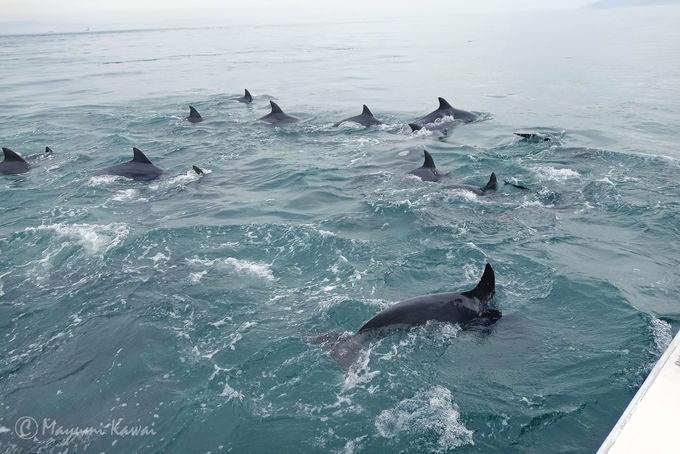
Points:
[534,136]
[455,307]
[194,116]
[365,119]
[446,110]
[277,116]
[140,168]
[13,163]
[428,171]
[247,98]
[492,185]
[444,127]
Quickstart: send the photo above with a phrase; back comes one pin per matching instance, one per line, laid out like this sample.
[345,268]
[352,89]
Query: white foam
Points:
[102,179]
[196,277]
[663,336]
[4,430]
[353,445]
[240,266]
[426,412]
[230,393]
[126,194]
[546,173]
[94,238]
[179,181]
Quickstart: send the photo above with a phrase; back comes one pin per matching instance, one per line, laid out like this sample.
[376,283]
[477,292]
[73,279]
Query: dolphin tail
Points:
[345,348]
[415,127]
[198,170]
[492,185]
[518,186]
[486,287]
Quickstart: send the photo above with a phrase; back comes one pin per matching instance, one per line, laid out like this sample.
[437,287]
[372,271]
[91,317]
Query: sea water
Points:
[173,316]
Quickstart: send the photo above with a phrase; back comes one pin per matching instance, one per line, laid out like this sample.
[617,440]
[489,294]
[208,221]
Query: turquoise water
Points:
[181,305]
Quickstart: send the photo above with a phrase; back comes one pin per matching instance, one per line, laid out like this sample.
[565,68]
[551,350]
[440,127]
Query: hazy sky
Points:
[69,15]
[160,10]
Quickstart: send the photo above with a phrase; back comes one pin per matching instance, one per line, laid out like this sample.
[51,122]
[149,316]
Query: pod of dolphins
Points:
[458,307]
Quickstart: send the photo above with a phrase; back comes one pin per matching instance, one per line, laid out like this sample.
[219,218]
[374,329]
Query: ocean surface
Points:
[173,316]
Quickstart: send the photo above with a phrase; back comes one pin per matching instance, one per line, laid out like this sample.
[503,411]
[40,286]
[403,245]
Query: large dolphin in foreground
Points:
[454,307]
[365,119]
[194,116]
[140,168]
[13,163]
[492,185]
[428,171]
[446,110]
[247,98]
[277,116]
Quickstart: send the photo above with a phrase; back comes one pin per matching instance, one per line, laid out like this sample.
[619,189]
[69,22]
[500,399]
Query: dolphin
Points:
[140,168]
[365,119]
[442,127]
[428,171]
[492,185]
[534,136]
[247,98]
[13,163]
[446,110]
[277,116]
[194,116]
[454,307]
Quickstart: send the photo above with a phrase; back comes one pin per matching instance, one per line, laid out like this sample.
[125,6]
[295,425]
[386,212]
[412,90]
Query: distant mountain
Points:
[621,3]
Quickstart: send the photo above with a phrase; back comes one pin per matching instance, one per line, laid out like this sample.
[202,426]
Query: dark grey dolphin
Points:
[13,163]
[428,171]
[443,127]
[277,116]
[247,98]
[446,110]
[194,116]
[454,307]
[140,168]
[365,119]
[492,185]
[534,136]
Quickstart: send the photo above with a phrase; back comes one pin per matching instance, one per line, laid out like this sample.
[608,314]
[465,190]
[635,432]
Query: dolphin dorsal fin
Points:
[275,107]
[248,96]
[492,185]
[193,113]
[11,156]
[48,150]
[486,286]
[198,170]
[429,162]
[139,157]
[366,111]
[414,127]
[443,104]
